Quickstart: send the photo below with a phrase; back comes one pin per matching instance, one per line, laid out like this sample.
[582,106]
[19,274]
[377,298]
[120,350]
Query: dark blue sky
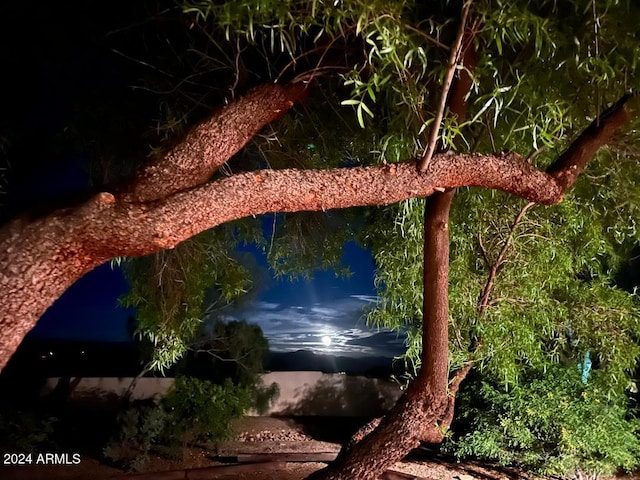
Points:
[293,315]
[300,314]
[89,310]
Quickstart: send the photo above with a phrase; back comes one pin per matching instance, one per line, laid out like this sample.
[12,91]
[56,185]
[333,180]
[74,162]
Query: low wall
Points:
[96,388]
[331,394]
[301,393]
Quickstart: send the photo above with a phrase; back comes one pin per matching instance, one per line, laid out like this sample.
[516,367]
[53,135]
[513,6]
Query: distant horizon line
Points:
[54,340]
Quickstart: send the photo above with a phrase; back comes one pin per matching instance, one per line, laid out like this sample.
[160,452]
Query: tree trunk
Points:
[425,410]
[435,306]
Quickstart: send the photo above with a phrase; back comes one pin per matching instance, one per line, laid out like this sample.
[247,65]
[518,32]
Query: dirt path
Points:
[285,443]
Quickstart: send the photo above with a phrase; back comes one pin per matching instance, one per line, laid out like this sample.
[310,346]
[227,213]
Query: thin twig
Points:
[429,38]
[490,132]
[307,77]
[304,54]
[483,250]
[237,69]
[483,302]
[454,57]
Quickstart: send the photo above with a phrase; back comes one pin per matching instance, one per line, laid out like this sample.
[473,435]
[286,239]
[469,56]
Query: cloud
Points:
[378,339]
[366,298]
[266,305]
[325,312]
[298,318]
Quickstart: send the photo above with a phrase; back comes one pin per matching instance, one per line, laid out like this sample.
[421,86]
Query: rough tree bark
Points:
[41,257]
[210,144]
[425,410]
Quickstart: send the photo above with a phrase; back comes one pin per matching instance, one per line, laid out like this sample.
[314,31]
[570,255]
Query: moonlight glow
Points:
[326,340]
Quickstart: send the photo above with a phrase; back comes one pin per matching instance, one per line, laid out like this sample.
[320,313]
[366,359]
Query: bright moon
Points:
[326,340]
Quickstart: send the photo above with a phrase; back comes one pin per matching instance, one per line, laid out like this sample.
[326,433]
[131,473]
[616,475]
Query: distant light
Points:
[326,340]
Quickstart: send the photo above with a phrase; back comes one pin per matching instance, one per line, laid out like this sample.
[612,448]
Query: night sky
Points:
[301,314]
[89,310]
[294,315]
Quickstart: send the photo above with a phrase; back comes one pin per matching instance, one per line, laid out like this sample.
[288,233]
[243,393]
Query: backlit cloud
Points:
[297,314]
[296,326]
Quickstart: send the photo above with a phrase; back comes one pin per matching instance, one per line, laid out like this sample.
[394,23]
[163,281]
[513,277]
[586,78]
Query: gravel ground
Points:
[285,435]
[258,437]
[274,435]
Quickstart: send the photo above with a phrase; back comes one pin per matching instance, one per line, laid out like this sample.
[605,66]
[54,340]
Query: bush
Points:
[552,424]
[198,410]
[25,430]
[193,411]
[138,427]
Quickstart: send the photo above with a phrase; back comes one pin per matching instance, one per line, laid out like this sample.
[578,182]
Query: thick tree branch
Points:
[213,142]
[568,167]
[41,258]
[435,309]
[165,223]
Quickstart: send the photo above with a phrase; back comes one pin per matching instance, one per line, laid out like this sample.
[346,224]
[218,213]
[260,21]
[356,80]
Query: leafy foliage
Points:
[232,350]
[402,56]
[25,430]
[553,297]
[307,241]
[552,423]
[202,411]
[168,290]
[138,428]
[193,411]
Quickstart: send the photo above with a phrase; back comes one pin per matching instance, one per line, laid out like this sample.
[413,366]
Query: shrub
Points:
[138,427]
[193,411]
[198,410]
[552,424]
[25,430]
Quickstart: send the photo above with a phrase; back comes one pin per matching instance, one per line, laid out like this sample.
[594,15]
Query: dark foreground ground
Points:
[266,448]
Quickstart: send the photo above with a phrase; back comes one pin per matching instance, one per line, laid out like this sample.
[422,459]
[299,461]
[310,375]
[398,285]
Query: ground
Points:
[266,448]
